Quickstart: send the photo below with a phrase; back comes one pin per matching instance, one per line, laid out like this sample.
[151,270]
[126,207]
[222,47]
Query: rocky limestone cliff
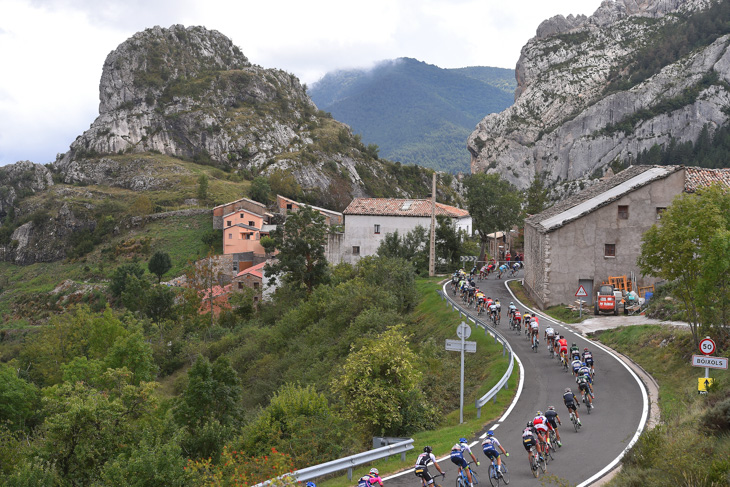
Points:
[565,125]
[19,180]
[188,92]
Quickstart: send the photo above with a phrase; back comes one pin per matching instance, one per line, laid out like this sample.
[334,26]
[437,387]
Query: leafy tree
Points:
[448,241]
[494,205]
[159,303]
[203,277]
[683,247]
[121,275]
[135,354]
[300,241]
[536,195]
[159,263]
[236,468]
[142,205]
[298,422]
[81,369]
[412,247]
[151,462]
[18,399]
[284,183]
[380,386]
[260,190]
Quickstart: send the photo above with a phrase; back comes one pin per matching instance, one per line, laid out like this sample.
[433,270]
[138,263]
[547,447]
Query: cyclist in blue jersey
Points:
[457,457]
[490,446]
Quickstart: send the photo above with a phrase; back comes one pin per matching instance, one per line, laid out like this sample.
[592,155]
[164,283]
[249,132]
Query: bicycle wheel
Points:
[533,466]
[545,456]
[542,466]
[493,480]
[549,453]
[460,481]
[474,476]
[575,423]
[505,473]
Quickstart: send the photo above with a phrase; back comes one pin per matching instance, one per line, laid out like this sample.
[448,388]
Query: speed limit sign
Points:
[707,346]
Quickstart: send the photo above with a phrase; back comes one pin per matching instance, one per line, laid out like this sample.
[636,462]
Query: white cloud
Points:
[52,51]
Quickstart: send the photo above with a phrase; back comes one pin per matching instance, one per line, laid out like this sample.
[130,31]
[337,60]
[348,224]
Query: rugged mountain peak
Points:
[566,124]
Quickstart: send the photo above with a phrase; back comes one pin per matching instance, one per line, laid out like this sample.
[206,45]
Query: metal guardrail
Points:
[348,463]
[506,348]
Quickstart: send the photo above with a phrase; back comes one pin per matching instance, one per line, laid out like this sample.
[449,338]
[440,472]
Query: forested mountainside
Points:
[634,82]
[415,112]
[178,105]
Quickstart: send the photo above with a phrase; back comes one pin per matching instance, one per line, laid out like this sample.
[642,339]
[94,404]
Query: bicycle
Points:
[535,463]
[434,484]
[462,480]
[496,475]
[553,438]
[574,420]
[547,452]
[564,361]
[534,343]
[588,403]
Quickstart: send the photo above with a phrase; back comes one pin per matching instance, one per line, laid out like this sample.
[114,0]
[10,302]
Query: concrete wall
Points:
[334,249]
[556,261]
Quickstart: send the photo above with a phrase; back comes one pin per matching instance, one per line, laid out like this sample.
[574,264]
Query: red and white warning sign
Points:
[581,292]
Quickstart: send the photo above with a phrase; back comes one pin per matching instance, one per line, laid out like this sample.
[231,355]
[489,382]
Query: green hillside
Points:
[415,112]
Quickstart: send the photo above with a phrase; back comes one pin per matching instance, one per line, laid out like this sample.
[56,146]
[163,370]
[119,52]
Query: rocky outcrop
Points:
[19,180]
[188,92]
[565,125]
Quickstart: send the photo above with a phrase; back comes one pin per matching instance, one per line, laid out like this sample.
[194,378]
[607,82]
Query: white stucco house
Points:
[369,220]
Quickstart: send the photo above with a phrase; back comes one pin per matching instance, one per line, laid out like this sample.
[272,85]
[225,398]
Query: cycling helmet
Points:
[511,303]
[574,345]
[583,364]
[427,449]
[490,433]
[462,440]
[585,349]
[311,484]
[529,424]
[374,471]
[539,413]
[567,389]
[551,408]
[561,337]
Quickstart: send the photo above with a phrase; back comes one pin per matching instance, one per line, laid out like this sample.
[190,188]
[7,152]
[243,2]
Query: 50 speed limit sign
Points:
[707,346]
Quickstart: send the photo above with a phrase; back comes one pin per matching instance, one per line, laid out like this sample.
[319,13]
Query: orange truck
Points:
[606,300]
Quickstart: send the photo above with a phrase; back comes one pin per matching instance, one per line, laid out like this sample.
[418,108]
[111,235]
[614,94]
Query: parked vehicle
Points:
[606,301]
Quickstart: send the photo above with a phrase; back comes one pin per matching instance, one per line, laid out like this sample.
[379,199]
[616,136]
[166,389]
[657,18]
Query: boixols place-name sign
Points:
[710,362]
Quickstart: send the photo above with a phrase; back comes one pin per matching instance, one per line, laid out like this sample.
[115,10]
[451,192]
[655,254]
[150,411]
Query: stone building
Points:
[586,238]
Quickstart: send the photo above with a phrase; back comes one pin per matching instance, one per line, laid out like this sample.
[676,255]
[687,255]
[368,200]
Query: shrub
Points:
[717,419]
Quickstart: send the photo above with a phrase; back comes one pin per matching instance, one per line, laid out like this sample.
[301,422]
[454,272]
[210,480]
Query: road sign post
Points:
[707,347]
[463,331]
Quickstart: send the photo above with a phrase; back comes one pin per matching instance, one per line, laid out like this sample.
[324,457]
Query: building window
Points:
[659,211]
[240,285]
[255,285]
[609,250]
[255,299]
[377,229]
[288,206]
[248,236]
[241,215]
[230,236]
[228,223]
[355,250]
[623,212]
[251,224]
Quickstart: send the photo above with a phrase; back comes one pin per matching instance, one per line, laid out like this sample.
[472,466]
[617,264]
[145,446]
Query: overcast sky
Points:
[52,51]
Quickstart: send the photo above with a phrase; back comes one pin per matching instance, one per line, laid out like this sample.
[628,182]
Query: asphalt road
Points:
[606,432]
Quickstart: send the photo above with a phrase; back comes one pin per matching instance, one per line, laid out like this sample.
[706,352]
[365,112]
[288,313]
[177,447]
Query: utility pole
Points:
[432,252]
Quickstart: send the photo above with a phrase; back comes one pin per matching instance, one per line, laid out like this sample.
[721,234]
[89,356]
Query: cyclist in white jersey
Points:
[421,467]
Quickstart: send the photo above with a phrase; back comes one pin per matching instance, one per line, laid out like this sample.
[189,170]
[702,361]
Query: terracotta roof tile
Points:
[698,177]
[399,207]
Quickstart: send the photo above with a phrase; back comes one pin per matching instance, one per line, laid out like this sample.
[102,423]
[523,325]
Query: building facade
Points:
[597,233]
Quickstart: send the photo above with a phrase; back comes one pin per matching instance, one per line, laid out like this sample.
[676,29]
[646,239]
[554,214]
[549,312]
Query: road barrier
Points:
[498,338]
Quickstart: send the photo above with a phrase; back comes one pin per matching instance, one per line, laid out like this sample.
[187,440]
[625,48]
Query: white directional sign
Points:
[468,258]
[463,331]
[707,346]
[711,362]
[455,346]
[581,292]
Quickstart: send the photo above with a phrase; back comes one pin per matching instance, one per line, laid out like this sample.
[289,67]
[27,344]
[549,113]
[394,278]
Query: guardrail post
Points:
[349,473]
[479,413]
[495,399]
[403,457]
[504,349]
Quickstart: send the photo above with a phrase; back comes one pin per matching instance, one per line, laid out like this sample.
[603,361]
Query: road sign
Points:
[581,292]
[707,346]
[468,258]
[703,383]
[463,331]
[711,362]
[455,346]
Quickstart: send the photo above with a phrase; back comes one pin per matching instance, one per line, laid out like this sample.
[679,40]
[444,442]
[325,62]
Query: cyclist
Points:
[585,370]
[576,364]
[511,309]
[493,311]
[421,467]
[499,309]
[473,271]
[489,447]
[553,420]
[515,267]
[311,484]
[588,359]
[571,402]
[534,331]
[585,386]
[550,336]
[457,458]
[529,440]
[480,300]
[518,319]
[574,352]
[541,427]
[483,272]
[502,270]
[563,344]
[373,477]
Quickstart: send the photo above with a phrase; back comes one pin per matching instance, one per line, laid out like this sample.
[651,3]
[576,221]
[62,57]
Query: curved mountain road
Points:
[620,410]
